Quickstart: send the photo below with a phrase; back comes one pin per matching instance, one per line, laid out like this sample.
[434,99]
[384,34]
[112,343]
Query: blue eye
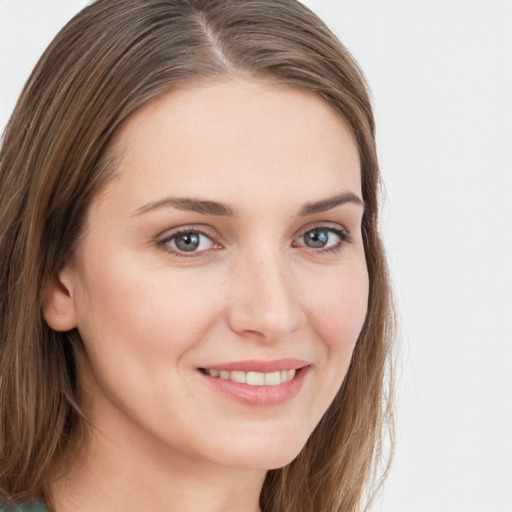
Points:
[189,241]
[324,238]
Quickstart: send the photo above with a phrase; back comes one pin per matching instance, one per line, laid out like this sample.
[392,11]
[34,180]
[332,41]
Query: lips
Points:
[261,383]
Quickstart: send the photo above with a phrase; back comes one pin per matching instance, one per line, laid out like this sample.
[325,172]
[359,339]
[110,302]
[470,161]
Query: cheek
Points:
[140,326]
[143,313]
[338,310]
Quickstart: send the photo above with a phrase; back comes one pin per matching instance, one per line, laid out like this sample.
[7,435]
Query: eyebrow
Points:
[189,204]
[330,203]
[223,210]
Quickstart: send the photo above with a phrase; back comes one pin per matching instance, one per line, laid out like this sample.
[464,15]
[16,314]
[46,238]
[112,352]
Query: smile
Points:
[253,378]
[257,383]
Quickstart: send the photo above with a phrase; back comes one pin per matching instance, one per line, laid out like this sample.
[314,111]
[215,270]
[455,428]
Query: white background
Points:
[441,76]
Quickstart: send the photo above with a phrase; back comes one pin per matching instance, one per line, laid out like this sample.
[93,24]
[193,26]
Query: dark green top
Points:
[32,507]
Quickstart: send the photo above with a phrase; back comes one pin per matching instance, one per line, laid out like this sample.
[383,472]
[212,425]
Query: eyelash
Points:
[163,243]
[344,239]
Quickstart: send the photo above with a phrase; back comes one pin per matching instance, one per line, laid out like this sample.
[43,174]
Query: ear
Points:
[59,304]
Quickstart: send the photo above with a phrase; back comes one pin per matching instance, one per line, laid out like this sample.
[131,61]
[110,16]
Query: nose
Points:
[263,304]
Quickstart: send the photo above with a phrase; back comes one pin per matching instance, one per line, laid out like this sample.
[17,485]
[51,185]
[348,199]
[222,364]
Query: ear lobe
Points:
[59,305]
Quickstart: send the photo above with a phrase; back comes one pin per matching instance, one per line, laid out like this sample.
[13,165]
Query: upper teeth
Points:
[254,378]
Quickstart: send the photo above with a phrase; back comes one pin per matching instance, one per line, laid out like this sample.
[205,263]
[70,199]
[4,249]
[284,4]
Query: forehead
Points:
[256,137]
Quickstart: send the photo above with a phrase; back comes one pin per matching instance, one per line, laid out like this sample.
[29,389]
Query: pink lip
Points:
[262,396]
[259,366]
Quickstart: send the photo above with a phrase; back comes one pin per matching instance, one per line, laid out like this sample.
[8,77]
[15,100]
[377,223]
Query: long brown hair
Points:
[114,56]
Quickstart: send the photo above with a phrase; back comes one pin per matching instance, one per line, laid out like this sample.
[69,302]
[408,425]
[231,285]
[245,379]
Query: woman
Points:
[197,311]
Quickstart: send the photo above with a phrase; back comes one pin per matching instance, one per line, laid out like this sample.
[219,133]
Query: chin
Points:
[267,454]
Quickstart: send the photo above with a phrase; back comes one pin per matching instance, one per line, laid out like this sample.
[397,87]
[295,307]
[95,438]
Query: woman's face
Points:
[221,283]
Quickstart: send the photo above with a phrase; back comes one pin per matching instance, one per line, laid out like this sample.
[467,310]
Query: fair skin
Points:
[267,272]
